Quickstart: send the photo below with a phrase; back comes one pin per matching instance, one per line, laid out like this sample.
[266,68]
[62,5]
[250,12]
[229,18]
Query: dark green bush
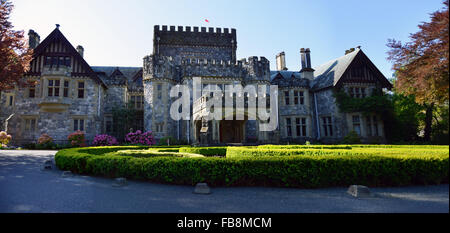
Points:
[206,151]
[286,171]
[351,138]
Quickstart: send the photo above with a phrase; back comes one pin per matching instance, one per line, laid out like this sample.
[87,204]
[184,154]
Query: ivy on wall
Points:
[378,103]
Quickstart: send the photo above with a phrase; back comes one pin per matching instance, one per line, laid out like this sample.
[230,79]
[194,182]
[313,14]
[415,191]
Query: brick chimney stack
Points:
[33,39]
[80,50]
[307,71]
[281,61]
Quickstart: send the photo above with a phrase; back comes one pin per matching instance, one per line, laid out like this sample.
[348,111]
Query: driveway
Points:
[24,187]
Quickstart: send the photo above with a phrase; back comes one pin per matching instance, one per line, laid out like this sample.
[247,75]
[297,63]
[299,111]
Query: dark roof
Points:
[329,73]
[113,75]
[56,35]
[288,78]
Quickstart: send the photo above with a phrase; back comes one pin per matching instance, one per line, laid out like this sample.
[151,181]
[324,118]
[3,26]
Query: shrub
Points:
[104,140]
[287,171]
[45,142]
[206,151]
[351,138]
[77,138]
[163,141]
[140,138]
[4,139]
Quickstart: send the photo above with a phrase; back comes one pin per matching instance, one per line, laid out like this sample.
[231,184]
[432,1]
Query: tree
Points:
[15,56]
[421,65]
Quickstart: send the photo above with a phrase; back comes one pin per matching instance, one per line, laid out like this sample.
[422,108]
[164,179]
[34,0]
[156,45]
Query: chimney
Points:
[80,50]
[281,61]
[306,71]
[33,39]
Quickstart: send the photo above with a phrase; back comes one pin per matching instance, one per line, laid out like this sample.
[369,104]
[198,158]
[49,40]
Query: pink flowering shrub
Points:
[45,139]
[4,139]
[104,140]
[77,138]
[140,138]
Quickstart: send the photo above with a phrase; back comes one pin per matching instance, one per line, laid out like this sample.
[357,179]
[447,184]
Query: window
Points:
[159,127]
[288,127]
[78,124]
[375,126]
[57,61]
[159,89]
[357,92]
[30,124]
[11,100]
[327,126]
[137,101]
[81,89]
[66,88]
[299,97]
[286,97]
[109,124]
[67,61]
[53,87]
[32,91]
[296,96]
[356,124]
[369,125]
[300,126]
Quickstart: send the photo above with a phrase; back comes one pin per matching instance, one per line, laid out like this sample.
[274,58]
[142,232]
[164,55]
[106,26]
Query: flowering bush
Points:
[104,140]
[45,139]
[4,139]
[140,138]
[77,138]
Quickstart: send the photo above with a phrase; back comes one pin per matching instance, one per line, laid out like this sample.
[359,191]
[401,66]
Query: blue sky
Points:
[120,33]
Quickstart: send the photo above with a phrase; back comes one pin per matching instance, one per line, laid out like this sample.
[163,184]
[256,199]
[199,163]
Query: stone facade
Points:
[306,105]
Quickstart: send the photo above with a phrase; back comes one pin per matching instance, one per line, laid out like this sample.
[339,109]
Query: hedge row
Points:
[305,146]
[418,152]
[206,151]
[286,171]
[153,153]
[234,152]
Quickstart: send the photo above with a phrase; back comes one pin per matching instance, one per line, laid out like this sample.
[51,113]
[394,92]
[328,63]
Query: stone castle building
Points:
[71,95]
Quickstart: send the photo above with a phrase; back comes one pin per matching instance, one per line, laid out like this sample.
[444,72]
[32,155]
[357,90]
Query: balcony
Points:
[54,104]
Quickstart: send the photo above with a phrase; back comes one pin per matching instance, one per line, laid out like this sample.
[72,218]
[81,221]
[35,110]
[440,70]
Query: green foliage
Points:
[376,103]
[440,131]
[301,171]
[124,118]
[163,141]
[351,138]
[206,151]
[403,123]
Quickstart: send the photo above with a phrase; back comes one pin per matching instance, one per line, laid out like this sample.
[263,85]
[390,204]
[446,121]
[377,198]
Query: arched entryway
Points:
[232,131]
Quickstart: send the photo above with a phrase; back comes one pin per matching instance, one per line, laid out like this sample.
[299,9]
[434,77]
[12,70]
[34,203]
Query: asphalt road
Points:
[24,187]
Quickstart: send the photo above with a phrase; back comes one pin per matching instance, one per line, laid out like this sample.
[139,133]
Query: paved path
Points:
[25,188]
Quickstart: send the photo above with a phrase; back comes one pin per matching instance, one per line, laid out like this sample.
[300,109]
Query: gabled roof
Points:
[56,35]
[288,78]
[330,73]
[113,75]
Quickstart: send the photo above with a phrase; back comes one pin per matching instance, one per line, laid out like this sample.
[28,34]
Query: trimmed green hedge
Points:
[206,151]
[286,171]
[233,152]
[152,153]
